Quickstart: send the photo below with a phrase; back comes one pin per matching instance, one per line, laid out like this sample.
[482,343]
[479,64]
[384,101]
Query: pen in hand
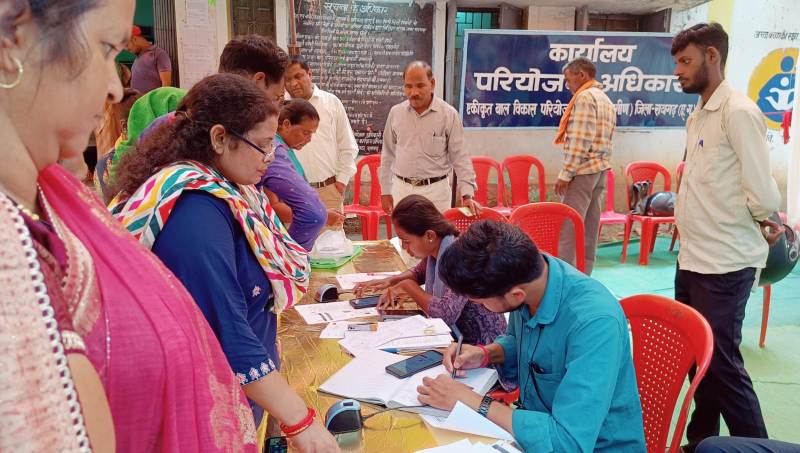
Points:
[458,353]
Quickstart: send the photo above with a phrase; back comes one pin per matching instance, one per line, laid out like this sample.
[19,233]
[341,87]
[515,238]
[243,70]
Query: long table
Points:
[307,361]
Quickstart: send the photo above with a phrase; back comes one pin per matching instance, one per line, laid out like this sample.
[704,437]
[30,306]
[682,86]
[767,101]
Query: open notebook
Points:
[365,379]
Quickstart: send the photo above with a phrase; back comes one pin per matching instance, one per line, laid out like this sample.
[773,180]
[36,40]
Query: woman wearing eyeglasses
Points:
[187,191]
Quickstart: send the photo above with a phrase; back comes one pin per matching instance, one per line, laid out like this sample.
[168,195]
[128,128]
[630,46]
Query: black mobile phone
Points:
[276,445]
[415,364]
[393,314]
[365,302]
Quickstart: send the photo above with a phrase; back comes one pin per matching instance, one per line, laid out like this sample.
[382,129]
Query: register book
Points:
[365,379]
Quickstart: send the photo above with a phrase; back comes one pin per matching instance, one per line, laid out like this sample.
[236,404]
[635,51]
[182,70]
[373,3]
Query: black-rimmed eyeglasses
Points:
[265,154]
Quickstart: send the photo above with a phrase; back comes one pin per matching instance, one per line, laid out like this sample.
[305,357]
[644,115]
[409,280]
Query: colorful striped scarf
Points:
[285,262]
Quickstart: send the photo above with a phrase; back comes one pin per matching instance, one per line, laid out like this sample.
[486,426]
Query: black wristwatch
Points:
[466,197]
[486,402]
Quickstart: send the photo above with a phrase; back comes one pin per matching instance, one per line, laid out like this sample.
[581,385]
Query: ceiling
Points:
[601,6]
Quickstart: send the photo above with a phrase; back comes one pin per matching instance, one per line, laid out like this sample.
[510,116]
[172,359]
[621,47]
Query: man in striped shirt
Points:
[586,130]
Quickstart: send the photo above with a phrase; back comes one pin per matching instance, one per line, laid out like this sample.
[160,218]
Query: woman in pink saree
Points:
[92,327]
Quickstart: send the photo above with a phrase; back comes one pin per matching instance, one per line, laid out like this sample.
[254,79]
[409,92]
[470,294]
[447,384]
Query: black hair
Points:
[703,35]
[248,54]
[416,214]
[229,100]
[489,259]
[296,111]
[62,38]
[299,59]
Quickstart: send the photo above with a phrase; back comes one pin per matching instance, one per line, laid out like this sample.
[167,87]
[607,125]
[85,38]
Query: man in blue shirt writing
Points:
[567,347]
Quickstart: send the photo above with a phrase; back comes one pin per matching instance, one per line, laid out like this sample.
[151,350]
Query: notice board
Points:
[358,50]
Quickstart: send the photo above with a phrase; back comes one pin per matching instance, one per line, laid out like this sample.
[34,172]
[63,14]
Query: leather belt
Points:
[421,182]
[327,182]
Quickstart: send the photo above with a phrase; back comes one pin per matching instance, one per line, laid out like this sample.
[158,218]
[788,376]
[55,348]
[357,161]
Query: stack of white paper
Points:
[365,378]
[412,333]
[332,311]
[465,420]
[348,281]
[335,329]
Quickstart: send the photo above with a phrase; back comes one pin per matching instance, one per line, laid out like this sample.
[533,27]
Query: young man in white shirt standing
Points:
[329,159]
[726,194]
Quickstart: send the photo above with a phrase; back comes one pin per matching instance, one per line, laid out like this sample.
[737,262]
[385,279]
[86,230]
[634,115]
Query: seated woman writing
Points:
[187,191]
[426,234]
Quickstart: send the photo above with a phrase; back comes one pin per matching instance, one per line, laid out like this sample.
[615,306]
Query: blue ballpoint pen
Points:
[402,350]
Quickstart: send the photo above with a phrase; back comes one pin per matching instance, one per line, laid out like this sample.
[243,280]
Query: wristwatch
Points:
[486,402]
[466,197]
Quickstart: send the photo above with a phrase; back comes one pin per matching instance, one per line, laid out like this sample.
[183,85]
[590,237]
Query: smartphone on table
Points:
[415,364]
[276,445]
[365,302]
[393,314]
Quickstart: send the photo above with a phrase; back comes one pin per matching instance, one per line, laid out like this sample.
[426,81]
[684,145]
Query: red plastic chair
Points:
[370,215]
[668,338]
[543,221]
[462,222]
[762,339]
[678,176]
[609,216]
[519,169]
[483,167]
[637,172]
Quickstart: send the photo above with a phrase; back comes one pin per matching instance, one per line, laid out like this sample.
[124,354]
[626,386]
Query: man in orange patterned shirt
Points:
[586,129]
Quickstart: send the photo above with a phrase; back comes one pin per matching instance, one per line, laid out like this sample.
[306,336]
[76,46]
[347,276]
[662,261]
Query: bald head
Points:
[418,85]
[419,64]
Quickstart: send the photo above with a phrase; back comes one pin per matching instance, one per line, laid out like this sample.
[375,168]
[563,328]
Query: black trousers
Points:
[726,390]
[745,445]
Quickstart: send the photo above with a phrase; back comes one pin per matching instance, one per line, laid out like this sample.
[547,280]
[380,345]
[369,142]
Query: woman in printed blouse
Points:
[187,191]
[425,234]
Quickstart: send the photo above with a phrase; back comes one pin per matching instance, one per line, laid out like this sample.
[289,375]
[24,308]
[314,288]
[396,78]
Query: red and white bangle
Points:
[485,361]
[293,430]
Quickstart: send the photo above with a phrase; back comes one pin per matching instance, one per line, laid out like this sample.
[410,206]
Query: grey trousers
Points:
[585,195]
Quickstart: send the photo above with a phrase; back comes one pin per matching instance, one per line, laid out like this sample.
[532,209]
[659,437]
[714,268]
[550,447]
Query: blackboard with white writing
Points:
[358,50]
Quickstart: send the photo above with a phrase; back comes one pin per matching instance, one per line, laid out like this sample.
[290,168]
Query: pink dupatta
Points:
[168,382]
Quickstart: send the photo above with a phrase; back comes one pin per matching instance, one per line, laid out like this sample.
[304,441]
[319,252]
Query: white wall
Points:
[551,18]
[686,18]
[793,170]
[200,39]
[747,52]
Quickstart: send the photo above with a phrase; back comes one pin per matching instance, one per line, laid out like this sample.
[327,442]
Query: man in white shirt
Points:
[329,159]
[726,194]
[423,141]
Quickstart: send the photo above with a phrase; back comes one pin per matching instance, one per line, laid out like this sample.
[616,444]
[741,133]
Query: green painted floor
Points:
[775,370]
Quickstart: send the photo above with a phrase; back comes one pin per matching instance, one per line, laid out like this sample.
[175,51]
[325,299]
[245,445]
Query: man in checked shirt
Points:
[586,129]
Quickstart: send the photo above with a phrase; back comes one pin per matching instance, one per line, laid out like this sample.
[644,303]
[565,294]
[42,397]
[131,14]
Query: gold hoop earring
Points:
[20,70]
